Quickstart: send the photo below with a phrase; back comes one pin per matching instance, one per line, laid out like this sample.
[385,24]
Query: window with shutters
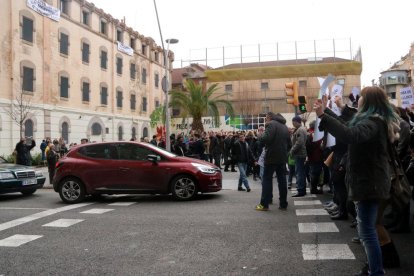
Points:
[28,79]
[85,52]
[119,98]
[119,65]
[64,44]
[104,59]
[64,86]
[133,102]
[144,75]
[144,104]
[104,94]
[85,91]
[27,29]
[132,70]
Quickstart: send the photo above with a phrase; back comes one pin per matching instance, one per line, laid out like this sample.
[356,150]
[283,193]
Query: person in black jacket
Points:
[22,149]
[368,171]
[277,141]
[242,155]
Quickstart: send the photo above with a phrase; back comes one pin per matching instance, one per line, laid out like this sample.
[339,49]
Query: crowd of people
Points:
[373,140]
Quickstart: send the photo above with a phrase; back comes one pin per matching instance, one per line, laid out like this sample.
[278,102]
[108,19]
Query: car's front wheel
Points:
[71,190]
[28,192]
[184,187]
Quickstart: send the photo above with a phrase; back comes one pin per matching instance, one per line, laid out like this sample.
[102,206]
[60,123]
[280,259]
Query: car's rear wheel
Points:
[184,187]
[28,192]
[71,190]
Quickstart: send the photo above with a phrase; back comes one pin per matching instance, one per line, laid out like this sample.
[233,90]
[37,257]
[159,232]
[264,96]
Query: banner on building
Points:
[44,9]
[407,99]
[125,49]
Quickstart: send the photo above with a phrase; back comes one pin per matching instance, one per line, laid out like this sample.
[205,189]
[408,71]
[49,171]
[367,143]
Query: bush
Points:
[37,159]
[10,158]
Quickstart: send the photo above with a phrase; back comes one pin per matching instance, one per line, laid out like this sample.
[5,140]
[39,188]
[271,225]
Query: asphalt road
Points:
[217,234]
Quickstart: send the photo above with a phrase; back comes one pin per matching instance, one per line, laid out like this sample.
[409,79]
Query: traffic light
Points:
[292,91]
[302,104]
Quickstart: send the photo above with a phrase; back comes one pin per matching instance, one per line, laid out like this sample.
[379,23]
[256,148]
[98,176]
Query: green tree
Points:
[158,116]
[197,103]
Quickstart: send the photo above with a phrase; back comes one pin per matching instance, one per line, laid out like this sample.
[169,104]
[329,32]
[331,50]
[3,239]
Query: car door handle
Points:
[124,169]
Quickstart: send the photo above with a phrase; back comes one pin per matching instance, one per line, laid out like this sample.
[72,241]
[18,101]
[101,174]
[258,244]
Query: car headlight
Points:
[204,168]
[39,174]
[6,175]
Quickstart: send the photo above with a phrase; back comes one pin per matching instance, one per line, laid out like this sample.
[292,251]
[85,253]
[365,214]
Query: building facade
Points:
[75,72]
[398,76]
[259,87]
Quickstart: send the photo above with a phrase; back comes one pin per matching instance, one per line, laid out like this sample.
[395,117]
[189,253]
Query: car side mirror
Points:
[153,158]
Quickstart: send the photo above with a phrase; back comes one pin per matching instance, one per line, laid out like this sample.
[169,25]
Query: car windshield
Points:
[163,151]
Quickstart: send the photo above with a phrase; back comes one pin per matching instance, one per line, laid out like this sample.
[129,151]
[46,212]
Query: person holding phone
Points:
[23,149]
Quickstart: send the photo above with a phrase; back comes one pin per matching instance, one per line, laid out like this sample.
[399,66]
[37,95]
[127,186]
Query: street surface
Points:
[216,234]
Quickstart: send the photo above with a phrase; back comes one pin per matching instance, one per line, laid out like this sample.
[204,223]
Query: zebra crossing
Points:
[19,239]
[309,206]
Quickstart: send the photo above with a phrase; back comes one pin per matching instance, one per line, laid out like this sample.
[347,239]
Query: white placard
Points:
[125,49]
[407,99]
[44,9]
[337,90]
[355,91]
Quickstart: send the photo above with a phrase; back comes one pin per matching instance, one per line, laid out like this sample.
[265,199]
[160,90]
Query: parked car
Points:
[131,168]
[18,178]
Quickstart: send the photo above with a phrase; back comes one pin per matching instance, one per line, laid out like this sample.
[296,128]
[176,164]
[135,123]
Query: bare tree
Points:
[247,99]
[19,110]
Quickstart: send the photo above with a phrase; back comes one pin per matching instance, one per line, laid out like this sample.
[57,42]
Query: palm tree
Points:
[198,103]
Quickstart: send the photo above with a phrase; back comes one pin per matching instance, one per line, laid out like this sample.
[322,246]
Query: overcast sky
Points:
[382,28]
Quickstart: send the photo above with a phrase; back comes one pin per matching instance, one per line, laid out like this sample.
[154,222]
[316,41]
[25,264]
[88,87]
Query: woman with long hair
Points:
[368,135]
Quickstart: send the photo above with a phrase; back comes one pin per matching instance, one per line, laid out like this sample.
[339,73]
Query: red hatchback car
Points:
[131,168]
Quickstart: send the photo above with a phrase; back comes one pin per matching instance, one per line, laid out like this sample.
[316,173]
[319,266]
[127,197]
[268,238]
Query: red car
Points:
[131,168]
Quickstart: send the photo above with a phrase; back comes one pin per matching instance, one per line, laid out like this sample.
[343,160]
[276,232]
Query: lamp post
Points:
[167,109]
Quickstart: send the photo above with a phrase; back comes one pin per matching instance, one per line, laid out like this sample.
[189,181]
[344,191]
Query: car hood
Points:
[13,167]
[193,160]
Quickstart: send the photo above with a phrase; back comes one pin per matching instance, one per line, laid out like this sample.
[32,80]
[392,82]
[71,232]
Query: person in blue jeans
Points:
[276,140]
[242,154]
[298,152]
[368,134]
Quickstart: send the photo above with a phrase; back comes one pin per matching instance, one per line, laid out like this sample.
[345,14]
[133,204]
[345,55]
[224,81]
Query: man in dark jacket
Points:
[276,140]
[23,156]
[242,155]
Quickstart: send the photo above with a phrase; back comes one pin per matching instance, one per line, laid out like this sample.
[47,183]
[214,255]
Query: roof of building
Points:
[284,63]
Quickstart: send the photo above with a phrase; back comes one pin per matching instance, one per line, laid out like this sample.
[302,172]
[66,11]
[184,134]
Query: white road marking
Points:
[20,221]
[327,252]
[96,211]
[17,240]
[121,203]
[307,202]
[22,208]
[311,212]
[319,227]
[63,222]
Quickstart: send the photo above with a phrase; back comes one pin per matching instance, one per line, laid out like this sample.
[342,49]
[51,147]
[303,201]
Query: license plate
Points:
[30,181]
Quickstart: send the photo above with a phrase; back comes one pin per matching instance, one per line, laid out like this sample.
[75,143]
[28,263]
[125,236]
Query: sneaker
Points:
[241,189]
[356,240]
[282,208]
[260,207]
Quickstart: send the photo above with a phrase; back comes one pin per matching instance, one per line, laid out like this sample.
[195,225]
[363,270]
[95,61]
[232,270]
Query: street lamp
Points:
[167,110]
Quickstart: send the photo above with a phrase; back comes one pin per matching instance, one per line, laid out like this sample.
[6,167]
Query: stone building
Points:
[398,76]
[80,72]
